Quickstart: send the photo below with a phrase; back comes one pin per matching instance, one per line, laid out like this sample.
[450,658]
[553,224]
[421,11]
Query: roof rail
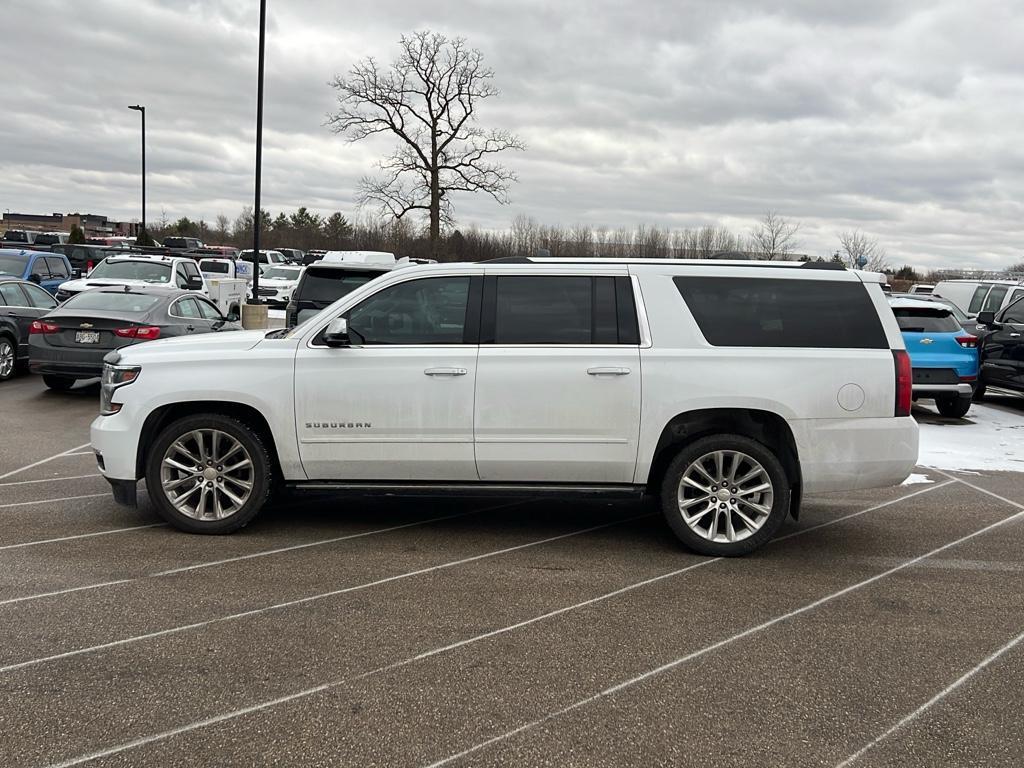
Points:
[823,265]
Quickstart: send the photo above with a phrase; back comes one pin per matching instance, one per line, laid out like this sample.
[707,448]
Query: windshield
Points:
[112,302]
[149,271]
[11,266]
[47,239]
[16,236]
[283,273]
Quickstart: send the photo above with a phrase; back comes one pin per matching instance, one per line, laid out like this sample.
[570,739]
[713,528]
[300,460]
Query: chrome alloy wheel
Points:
[6,358]
[725,496]
[207,474]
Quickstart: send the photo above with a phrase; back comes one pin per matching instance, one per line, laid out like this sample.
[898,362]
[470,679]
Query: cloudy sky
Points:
[901,118]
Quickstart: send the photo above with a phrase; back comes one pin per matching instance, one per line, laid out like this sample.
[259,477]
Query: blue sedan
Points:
[943,356]
[47,270]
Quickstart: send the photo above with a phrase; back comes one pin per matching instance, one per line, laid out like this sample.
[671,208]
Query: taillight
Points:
[968,341]
[904,382]
[41,326]
[141,332]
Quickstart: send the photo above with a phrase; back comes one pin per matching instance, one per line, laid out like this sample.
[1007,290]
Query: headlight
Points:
[114,377]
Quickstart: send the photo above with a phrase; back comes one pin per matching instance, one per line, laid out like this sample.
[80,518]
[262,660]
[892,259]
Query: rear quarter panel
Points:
[807,387]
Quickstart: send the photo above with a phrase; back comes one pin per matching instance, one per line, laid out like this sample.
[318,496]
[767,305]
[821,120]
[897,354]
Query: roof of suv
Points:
[351,266]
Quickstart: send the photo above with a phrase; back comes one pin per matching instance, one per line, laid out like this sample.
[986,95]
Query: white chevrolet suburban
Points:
[728,390]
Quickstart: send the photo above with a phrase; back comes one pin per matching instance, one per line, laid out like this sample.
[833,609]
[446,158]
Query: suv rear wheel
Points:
[953,407]
[725,495]
[208,473]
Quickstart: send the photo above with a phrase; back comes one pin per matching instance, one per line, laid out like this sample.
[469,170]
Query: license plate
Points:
[87,337]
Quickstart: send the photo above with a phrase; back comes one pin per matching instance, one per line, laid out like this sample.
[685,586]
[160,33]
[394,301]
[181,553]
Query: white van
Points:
[974,296]
[360,257]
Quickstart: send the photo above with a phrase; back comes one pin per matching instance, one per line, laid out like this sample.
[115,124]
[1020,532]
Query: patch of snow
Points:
[916,479]
[987,438]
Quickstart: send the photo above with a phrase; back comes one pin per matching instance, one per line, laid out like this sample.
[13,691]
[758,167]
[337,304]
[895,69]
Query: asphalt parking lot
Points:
[882,629]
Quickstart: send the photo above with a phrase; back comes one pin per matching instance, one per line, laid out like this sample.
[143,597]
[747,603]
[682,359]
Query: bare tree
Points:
[774,237]
[856,246]
[428,100]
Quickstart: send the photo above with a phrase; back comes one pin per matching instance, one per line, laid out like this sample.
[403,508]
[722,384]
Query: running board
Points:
[473,489]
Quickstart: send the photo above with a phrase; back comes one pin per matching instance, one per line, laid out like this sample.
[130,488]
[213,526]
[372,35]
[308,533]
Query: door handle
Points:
[607,371]
[446,371]
[1014,335]
[190,327]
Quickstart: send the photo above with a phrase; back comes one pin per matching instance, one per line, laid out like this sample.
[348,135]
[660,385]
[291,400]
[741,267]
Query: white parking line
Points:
[43,461]
[199,724]
[81,453]
[51,501]
[612,690]
[263,553]
[80,536]
[306,600]
[932,701]
[51,479]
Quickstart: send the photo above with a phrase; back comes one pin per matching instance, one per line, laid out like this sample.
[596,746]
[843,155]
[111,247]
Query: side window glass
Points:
[207,311]
[191,270]
[39,298]
[1015,312]
[39,268]
[180,278]
[995,298]
[428,311]
[978,299]
[543,310]
[186,308]
[12,295]
[57,267]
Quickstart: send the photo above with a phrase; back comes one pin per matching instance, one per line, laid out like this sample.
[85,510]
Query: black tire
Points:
[59,383]
[261,476]
[979,393]
[738,443]
[8,358]
[953,407]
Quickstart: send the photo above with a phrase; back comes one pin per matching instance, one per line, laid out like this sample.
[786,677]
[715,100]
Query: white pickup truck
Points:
[145,270]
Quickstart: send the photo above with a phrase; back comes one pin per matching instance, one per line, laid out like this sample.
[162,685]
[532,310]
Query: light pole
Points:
[256,316]
[142,111]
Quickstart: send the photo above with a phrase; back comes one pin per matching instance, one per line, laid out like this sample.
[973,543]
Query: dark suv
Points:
[323,283]
[1002,349]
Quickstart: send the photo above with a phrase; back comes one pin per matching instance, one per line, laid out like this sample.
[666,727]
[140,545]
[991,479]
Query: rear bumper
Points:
[925,390]
[57,368]
[851,454]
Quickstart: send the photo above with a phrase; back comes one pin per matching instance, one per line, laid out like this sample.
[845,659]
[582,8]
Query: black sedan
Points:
[21,302]
[70,342]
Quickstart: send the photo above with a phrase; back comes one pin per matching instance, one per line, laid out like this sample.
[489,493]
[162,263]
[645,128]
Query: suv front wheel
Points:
[208,473]
[725,495]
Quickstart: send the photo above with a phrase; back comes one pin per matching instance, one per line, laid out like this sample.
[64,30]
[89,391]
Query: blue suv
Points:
[943,356]
[47,270]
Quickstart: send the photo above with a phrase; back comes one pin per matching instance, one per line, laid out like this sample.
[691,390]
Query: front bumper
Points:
[115,439]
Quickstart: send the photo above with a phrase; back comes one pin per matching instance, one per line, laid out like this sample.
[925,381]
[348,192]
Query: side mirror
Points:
[988,318]
[232,317]
[336,334]
[76,273]
[36,278]
[195,283]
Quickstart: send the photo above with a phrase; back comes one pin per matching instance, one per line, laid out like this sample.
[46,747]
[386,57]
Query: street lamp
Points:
[256,223]
[142,111]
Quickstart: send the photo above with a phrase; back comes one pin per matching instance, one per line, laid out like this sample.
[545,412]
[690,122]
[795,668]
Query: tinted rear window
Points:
[926,320]
[325,286]
[112,302]
[220,267]
[772,312]
[544,310]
